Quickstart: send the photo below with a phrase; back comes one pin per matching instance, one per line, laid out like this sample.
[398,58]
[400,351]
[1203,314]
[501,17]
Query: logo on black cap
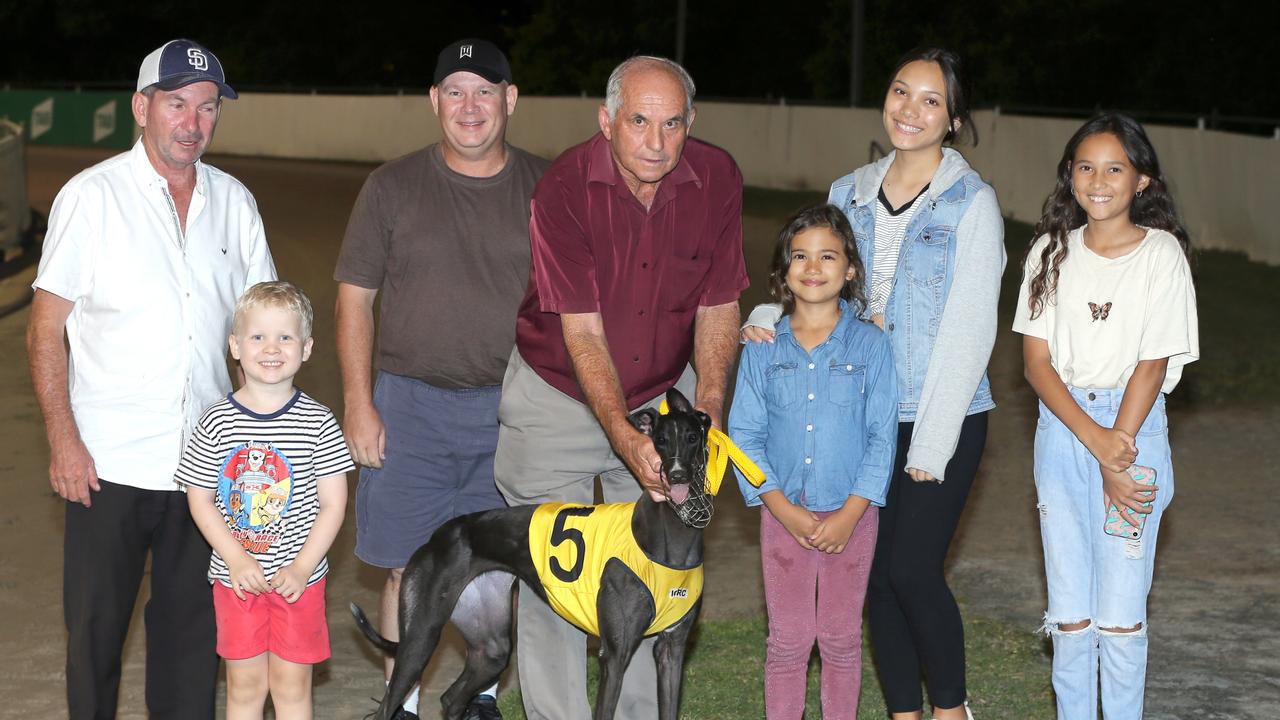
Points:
[472,55]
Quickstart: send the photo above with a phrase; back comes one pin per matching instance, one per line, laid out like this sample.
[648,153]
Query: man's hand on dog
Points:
[642,459]
[72,473]
[366,435]
[246,576]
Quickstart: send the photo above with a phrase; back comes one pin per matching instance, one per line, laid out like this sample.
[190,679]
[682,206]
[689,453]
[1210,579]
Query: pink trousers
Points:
[814,597]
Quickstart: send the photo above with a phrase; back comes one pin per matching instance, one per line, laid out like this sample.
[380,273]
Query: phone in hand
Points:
[1116,524]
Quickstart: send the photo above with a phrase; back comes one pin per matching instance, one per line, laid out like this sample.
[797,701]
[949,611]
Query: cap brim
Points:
[490,74]
[180,81]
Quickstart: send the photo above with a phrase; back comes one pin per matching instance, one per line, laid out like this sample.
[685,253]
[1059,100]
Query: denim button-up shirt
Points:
[822,425]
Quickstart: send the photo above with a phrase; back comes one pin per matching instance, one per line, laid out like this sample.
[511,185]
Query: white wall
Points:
[1220,180]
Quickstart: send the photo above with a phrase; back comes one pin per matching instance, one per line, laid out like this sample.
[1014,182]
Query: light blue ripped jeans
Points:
[1091,575]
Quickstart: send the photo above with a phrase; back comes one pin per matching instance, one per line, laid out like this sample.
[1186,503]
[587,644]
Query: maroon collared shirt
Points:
[596,248]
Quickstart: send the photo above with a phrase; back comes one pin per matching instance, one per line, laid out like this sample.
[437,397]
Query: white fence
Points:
[1219,179]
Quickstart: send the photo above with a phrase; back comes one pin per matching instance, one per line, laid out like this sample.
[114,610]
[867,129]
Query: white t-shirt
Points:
[148,331]
[1110,313]
[891,230]
[263,471]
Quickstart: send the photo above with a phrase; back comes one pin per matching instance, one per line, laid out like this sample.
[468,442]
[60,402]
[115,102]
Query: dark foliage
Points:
[1173,56]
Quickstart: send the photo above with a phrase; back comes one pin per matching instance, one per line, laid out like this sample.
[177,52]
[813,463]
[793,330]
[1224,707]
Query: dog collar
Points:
[720,452]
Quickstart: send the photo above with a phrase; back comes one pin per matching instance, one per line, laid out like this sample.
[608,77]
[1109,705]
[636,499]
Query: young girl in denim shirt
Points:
[930,232]
[817,411]
[1108,314]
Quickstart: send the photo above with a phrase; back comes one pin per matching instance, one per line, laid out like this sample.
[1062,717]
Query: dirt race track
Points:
[1215,609]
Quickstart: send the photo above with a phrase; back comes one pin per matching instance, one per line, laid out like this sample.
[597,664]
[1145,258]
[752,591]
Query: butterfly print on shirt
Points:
[1099,312]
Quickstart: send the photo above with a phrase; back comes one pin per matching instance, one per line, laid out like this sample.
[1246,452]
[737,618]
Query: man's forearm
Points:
[597,376]
[47,356]
[715,344]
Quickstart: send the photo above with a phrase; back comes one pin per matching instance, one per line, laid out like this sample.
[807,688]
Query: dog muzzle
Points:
[697,509]
[698,504]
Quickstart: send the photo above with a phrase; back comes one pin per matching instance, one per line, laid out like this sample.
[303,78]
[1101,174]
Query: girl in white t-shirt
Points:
[1107,310]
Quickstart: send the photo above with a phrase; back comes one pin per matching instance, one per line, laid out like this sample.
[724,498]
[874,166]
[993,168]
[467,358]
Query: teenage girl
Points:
[817,410]
[1108,315]
[931,234]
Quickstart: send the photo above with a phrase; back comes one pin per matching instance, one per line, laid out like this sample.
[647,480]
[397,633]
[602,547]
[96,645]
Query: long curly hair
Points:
[827,216]
[1153,208]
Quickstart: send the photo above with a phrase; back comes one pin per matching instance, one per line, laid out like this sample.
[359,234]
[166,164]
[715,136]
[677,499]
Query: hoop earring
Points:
[1139,193]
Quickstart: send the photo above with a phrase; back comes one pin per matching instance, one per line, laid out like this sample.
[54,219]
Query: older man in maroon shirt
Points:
[637,268]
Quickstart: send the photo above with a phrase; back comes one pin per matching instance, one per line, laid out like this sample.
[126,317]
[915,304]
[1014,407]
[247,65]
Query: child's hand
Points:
[246,576]
[754,334]
[1115,449]
[290,581]
[1122,491]
[919,475]
[799,522]
[833,532]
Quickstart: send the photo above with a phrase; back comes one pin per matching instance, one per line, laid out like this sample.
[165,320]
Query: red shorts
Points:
[247,628]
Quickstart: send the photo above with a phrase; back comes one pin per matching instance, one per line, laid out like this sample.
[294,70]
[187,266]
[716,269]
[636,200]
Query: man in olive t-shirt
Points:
[443,234]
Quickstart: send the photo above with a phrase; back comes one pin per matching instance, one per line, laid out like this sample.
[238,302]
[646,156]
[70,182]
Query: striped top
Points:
[263,471]
[891,228]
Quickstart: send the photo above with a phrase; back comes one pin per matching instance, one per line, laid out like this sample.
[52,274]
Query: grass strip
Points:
[1007,666]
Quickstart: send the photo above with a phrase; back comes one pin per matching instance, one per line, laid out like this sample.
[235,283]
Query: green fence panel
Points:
[89,118]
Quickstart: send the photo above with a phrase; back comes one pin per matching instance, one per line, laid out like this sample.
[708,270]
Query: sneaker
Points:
[482,707]
[402,714]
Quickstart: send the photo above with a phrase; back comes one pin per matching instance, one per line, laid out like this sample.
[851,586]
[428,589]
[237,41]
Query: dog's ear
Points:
[704,420]
[645,420]
[678,402]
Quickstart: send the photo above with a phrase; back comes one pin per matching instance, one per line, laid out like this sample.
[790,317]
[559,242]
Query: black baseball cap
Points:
[475,56]
[179,63]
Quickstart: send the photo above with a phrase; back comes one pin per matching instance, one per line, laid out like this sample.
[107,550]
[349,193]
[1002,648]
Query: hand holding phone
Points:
[1117,524]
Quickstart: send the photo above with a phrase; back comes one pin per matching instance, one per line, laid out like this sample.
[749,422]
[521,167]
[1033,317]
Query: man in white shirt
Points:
[144,258]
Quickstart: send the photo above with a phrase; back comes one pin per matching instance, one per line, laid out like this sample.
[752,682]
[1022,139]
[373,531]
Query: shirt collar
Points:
[847,318]
[145,173]
[602,168]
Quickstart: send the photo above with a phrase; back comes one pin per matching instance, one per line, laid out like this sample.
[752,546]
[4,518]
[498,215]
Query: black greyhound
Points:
[490,547]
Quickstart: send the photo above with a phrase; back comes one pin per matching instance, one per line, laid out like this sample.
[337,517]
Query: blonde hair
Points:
[276,293]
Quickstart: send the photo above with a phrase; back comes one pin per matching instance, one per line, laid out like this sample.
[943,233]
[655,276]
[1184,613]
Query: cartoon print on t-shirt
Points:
[268,505]
[255,488]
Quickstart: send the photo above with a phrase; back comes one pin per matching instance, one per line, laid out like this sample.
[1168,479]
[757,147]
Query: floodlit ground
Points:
[1215,646]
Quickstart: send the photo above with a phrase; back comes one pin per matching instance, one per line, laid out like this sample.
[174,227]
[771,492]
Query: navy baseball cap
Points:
[179,63]
[475,56]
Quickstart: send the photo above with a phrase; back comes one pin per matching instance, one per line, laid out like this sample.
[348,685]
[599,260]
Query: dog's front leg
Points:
[625,609]
[668,655]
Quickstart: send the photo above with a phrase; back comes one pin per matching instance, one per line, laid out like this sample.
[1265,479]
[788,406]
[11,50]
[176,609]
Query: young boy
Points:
[265,474]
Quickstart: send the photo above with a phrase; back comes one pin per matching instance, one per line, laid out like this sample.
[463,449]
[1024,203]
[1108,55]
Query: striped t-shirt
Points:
[891,228]
[263,471]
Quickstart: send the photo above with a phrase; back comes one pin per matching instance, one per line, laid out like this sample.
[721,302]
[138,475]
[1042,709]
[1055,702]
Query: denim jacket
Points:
[822,425]
[941,314]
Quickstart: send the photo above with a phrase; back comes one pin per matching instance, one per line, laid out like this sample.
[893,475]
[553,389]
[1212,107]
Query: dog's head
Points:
[680,437]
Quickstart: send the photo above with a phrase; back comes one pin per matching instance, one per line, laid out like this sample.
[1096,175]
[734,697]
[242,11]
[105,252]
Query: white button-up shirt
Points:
[148,332]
